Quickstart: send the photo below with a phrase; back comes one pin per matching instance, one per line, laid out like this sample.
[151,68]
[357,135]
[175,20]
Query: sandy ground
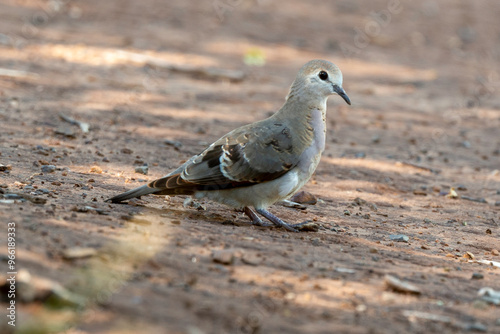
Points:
[424,80]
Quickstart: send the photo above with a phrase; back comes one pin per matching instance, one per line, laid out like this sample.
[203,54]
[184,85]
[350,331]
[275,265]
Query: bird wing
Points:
[246,156]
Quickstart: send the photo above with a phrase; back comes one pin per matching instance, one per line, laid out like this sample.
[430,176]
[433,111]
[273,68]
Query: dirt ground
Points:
[424,81]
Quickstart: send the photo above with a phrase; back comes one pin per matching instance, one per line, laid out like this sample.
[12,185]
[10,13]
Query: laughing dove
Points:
[264,162]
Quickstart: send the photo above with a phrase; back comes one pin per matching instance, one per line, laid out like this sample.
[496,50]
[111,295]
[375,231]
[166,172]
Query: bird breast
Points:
[310,157]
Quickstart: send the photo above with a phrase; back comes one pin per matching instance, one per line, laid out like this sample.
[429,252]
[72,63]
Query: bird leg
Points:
[253,216]
[275,220]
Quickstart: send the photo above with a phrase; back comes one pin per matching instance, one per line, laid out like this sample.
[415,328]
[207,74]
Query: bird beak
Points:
[339,90]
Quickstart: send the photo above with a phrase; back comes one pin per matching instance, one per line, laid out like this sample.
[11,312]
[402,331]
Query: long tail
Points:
[137,192]
[167,185]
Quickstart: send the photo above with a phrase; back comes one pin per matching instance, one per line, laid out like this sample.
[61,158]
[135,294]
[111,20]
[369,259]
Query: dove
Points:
[259,164]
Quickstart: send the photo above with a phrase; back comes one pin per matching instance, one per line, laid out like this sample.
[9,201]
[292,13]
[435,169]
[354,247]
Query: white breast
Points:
[288,184]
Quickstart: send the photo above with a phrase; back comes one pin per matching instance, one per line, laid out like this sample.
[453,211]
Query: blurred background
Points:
[159,80]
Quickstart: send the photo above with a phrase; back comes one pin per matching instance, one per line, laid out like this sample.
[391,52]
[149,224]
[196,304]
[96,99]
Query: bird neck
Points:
[305,117]
[302,105]
[302,97]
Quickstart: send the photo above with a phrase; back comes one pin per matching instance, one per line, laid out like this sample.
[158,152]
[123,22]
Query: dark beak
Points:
[342,93]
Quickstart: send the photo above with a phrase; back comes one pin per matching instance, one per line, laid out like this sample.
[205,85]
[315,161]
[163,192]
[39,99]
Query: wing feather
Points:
[236,160]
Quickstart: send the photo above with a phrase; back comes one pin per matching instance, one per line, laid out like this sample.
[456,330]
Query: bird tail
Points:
[136,192]
[167,185]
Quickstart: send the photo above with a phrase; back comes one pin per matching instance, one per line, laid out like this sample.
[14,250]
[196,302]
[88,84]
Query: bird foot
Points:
[254,218]
[292,204]
[300,227]
[305,226]
[308,226]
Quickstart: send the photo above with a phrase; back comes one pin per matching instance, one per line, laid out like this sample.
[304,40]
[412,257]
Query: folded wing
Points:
[236,160]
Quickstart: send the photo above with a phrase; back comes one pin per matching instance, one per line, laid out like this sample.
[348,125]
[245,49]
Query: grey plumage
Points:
[264,162]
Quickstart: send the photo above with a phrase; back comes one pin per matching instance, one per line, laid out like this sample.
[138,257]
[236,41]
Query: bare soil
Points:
[425,118]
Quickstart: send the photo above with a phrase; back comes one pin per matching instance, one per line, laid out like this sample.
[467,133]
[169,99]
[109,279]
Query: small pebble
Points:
[398,285]
[64,131]
[466,34]
[316,242]
[96,169]
[223,256]
[345,270]
[4,168]
[399,237]
[308,226]
[304,197]
[251,259]
[419,192]
[48,169]
[489,295]
[7,201]
[78,253]
[469,255]
[141,221]
[347,213]
[33,288]
[189,202]
[495,252]
[176,144]
[360,155]
[477,276]
[126,151]
[361,202]
[142,170]
[476,327]
[479,200]
[12,196]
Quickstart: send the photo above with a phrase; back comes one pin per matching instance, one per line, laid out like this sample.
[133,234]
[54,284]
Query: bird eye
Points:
[323,75]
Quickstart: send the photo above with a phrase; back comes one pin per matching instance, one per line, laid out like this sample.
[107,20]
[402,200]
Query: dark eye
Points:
[323,75]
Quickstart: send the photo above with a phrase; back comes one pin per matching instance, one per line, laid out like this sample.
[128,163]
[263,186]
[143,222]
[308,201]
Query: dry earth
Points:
[425,118]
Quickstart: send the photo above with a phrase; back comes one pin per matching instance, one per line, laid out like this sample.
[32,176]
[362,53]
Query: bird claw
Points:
[293,205]
[305,226]
[286,226]
[308,226]
[261,223]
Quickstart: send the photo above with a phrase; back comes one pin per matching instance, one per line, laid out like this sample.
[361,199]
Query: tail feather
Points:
[136,192]
[168,185]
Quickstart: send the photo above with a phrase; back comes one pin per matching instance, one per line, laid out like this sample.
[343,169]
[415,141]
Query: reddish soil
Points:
[425,117]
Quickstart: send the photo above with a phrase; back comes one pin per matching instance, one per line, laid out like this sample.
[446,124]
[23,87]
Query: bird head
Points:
[319,78]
